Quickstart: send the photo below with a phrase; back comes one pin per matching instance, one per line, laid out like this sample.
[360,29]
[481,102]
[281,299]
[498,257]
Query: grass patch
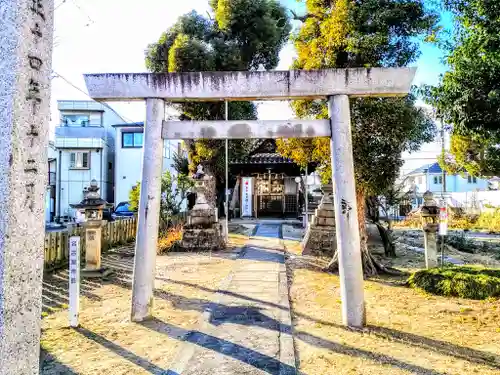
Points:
[407,331]
[463,281]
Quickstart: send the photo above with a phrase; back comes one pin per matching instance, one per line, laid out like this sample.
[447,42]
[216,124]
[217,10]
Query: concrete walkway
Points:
[246,330]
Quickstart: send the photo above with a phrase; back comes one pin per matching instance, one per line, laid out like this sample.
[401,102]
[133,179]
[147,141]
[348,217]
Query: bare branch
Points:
[302,18]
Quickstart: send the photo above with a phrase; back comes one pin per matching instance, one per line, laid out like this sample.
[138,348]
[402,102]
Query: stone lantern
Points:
[203,231]
[429,215]
[93,206]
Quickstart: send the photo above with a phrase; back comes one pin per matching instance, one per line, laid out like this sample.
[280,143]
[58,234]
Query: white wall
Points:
[128,165]
[475,199]
[74,180]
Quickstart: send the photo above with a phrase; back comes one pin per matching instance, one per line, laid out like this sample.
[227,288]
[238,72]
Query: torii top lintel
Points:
[254,85]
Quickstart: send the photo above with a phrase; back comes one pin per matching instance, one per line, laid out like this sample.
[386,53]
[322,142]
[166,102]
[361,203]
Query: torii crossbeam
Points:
[335,84]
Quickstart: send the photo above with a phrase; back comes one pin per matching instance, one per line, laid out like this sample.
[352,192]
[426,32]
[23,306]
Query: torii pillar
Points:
[337,85]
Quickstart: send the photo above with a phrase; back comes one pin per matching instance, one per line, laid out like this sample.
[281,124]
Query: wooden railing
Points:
[115,233]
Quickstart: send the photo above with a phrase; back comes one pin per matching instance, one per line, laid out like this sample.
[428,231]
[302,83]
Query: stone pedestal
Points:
[93,267]
[320,236]
[203,231]
[430,242]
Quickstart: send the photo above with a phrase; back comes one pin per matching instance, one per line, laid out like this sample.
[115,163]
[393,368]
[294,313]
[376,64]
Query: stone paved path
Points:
[268,230]
[246,330]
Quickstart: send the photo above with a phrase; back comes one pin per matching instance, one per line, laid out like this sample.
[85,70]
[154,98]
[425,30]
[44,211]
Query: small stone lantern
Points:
[93,206]
[429,214]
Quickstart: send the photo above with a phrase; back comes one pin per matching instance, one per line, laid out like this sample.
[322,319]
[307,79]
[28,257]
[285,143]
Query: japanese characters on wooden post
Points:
[74,280]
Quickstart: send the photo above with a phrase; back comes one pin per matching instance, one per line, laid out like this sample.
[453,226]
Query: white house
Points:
[85,144]
[429,177]
[128,157]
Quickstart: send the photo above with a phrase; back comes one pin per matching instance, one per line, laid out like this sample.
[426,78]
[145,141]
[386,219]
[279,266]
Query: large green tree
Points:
[370,33]
[238,35]
[468,96]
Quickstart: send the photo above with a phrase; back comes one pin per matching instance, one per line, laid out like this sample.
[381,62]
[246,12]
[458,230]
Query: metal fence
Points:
[114,234]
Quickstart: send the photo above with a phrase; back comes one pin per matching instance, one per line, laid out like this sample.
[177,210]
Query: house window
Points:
[76,120]
[471,179]
[132,140]
[419,180]
[166,149]
[79,160]
[438,180]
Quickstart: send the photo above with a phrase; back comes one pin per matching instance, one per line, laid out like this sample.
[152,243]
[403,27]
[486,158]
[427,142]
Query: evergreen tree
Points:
[354,34]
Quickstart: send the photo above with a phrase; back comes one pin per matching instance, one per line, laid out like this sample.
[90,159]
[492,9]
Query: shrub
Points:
[173,194]
[458,219]
[169,240]
[458,281]
[461,243]
[489,220]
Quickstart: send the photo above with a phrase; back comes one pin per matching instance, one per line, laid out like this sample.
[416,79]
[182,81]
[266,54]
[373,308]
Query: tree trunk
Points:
[371,266]
[387,240]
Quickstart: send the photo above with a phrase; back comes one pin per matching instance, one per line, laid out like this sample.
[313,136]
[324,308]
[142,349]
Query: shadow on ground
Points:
[55,296]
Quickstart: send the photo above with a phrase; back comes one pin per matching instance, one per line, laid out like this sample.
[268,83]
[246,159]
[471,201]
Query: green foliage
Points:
[475,154]
[464,282]
[181,164]
[488,220]
[134,197]
[461,242]
[468,96]
[373,33]
[173,194]
[244,35]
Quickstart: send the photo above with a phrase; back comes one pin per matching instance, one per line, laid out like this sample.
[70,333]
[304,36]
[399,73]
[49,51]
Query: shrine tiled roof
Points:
[263,158]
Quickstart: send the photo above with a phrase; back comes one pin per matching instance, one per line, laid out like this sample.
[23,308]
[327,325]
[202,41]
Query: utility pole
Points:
[442,153]
[226,205]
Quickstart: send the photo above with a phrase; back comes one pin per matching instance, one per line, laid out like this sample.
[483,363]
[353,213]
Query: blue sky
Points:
[96,36]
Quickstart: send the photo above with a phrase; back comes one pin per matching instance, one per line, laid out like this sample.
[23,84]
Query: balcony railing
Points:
[81,132]
[79,142]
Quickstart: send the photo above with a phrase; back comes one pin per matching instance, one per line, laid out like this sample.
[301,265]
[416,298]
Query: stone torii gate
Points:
[336,85]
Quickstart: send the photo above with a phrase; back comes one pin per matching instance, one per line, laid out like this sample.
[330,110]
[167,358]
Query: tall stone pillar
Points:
[149,212]
[26,28]
[346,217]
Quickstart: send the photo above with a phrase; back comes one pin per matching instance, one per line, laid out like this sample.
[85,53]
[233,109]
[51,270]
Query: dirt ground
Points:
[107,342]
[407,332]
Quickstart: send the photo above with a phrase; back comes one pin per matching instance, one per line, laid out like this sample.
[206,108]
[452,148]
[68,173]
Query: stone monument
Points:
[203,231]
[320,236]
[429,214]
[26,33]
[93,205]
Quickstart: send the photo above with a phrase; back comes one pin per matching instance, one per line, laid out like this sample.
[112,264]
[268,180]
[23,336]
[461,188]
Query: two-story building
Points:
[85,144]
[128,157]
[429,177]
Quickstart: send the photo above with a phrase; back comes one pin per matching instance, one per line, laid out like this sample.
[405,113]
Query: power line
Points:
[57,75]
[91,21]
